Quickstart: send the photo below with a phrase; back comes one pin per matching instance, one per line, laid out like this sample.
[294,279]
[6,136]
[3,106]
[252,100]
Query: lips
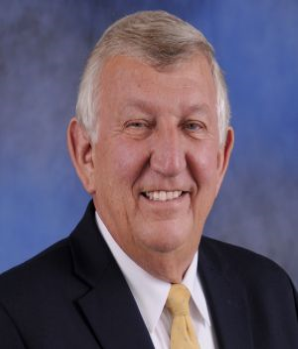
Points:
[162,195]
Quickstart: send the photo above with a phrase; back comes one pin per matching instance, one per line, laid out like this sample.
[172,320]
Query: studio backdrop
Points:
[43,48]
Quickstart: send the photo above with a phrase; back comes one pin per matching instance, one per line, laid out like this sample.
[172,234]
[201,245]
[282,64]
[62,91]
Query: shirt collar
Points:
[149,292]
[192,281]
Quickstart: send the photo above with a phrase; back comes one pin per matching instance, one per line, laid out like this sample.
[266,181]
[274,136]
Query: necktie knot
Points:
[178,300]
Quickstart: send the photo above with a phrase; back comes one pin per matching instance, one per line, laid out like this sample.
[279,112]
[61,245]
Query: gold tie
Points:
[182,333]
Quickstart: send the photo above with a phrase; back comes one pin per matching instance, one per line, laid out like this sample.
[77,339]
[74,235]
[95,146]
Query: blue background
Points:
[43,48]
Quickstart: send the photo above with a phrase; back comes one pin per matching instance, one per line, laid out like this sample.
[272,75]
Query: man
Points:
[151,143]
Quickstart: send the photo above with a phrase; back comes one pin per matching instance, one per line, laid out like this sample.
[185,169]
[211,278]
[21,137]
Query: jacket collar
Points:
[226,297]
[108,306]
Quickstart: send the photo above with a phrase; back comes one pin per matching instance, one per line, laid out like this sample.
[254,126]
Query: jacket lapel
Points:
[108,307]
[226,298]
[113,314]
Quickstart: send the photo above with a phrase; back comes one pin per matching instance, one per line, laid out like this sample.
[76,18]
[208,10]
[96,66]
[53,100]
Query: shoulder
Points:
[37,274]
[40,292]
[52,274]
[234,255]
[249,267]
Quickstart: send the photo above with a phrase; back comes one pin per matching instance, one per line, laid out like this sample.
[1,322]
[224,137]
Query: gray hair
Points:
[158,38]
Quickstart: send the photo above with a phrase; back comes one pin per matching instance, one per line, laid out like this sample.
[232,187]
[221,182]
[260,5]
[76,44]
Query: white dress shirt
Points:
[151,294]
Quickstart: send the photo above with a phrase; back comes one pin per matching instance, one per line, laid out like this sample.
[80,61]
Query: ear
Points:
[80,149]
[224,155]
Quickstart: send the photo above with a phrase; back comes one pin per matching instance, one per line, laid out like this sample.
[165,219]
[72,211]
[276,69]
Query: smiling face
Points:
[157,163]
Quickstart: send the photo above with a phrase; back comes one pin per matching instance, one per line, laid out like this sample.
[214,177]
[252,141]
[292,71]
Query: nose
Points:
[168,153]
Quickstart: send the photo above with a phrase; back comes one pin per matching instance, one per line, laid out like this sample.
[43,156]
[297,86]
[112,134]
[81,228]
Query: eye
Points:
[137,128]
[136,124]
[194,126]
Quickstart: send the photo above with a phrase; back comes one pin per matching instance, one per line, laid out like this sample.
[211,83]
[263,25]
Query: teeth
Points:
[163,195]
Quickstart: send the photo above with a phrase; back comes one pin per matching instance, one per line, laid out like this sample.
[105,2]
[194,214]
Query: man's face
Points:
[158,164]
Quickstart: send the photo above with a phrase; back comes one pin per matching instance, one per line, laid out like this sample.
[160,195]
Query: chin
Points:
[166,238]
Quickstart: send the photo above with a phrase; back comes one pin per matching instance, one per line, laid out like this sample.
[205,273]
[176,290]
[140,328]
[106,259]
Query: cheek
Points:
[121,162]
[130,160]
[205,165]
[206,177]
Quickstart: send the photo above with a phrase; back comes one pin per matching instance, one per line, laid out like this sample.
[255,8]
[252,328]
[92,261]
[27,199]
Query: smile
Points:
[162,195]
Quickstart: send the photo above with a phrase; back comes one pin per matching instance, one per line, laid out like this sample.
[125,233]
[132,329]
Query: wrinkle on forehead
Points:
[136,65]
[188,82]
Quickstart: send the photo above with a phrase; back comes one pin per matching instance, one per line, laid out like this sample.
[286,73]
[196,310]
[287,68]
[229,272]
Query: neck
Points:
[169,267]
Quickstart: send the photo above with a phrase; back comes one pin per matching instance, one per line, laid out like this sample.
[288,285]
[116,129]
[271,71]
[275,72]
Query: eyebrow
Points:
[196,109]
[147,107]
[150,108]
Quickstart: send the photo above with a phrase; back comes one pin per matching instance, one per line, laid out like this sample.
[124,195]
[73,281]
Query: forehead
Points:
[128,79]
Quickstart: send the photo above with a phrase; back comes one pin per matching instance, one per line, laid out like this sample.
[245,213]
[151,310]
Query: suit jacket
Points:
[73,295]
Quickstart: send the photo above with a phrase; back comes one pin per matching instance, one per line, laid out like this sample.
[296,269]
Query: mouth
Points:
[163,195]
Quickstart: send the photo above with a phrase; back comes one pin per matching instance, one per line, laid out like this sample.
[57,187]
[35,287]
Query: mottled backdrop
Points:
[43,47]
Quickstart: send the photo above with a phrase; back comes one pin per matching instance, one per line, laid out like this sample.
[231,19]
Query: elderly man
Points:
[151,143]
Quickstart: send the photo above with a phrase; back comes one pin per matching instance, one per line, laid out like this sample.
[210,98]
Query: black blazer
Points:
[74,296]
